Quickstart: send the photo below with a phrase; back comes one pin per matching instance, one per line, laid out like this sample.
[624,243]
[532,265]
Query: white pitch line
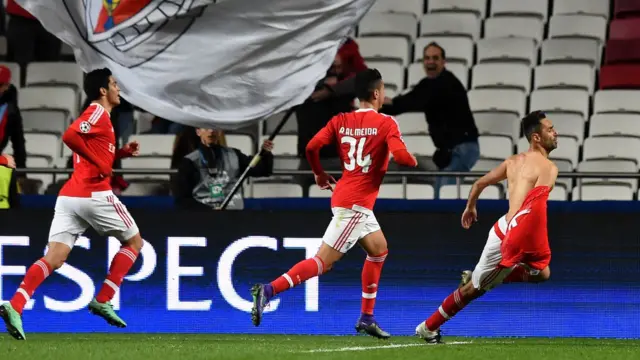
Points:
[391,346]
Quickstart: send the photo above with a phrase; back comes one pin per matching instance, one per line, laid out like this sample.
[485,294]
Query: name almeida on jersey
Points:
[358,132]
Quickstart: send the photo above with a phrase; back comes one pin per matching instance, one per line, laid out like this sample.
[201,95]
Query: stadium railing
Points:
[403,175]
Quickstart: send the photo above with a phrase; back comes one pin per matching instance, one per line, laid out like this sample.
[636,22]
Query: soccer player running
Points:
[364,138]
[86,200]
[517,249]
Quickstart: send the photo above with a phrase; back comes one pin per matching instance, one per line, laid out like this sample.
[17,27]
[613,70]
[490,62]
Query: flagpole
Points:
[255,160]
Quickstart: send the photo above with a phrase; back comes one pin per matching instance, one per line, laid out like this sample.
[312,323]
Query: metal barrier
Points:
[579,176]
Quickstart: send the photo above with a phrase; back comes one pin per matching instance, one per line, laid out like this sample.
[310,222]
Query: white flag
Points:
[205,63]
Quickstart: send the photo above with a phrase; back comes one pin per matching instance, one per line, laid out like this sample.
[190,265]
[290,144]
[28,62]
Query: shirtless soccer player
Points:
[86,200]
[517,249]
[364,138]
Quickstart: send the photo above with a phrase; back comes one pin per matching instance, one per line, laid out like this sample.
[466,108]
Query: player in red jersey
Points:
[517,249]
[86,200]
[364,139]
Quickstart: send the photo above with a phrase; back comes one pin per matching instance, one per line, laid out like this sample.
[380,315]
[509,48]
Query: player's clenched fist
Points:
[132,148]
[469,216]
[8,161]
[325,181]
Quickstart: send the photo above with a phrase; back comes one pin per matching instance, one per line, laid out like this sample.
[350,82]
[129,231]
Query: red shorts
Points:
[526,239]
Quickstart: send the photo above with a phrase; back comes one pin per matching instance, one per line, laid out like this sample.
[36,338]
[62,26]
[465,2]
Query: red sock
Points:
[450,306]
[370,280]
[36,274]
[299,273]
[518,274]
[120,266]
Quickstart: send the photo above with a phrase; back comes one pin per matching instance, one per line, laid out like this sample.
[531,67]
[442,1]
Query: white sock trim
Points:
[24,293]
[111,284]
[369,296]
[289,280]
[444,314]
[44,268]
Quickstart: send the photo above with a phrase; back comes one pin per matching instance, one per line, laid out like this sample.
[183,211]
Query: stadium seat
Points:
[622,51]
[564,76]
[420,192]
[449,192]
[578,26]
[501,76]
[415,7]
[620,76]
[514,26]
[316,192]
[290,127]
[608,166]
[567,151]
[500,124]
[495,100]
[244,143]
[507,50]
[385,48]
[626,8]
[392,73]
[495,147]
[486,165]
[568,125]
[421,145]
[477,7]
[413,123]
[461,72]
[595,192]
[616,101]
[143,188]
[276,190]
[624,28]
[15,71]
[154,144]
[532,8]
[391,191]
[558,193]
[560,101]
[388,24]
[571,51]
[614,125]
[55,74]
[286,163]
[43,145]
[47,98]
[564,166]
[415,74]
[611,147]
[39,162]
[286,145]
[458,49]
[45,121]
[581,7]
[450,24]
[160,163]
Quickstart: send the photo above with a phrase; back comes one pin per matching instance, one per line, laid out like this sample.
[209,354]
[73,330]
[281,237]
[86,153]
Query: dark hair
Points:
[94,81]
[436,45]
[531,123]
[367,81]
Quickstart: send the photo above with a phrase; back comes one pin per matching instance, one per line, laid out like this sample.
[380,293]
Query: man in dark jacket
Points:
[207,175]
[443,99]
[10,119]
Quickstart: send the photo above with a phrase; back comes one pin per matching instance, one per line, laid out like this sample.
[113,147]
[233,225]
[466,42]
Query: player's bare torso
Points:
[526,171]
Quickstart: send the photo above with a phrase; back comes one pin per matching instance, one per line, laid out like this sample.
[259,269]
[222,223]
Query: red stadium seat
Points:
[620,76]
[625,29]
[626,9]
[622,51]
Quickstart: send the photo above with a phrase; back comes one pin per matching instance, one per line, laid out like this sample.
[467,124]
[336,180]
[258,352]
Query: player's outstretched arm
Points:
[322,138]
[77,143]
[397,147]
[491,178]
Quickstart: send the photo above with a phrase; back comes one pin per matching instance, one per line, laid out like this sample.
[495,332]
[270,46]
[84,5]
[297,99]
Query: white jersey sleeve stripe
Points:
[95,116]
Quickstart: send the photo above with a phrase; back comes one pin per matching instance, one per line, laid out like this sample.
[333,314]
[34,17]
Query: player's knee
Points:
[544,275]
[136,242]
[55,259]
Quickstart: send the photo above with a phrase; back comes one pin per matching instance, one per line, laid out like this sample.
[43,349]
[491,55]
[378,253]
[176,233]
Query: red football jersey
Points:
[94,125]
[364,138]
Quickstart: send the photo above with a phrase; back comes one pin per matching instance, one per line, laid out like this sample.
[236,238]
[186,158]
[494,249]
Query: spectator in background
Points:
[443,99]
[163,126]
[207,175]
[28,40]
[125,119]
[8,185]
[10,119]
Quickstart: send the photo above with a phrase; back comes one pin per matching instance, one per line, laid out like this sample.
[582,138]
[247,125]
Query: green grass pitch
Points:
[282,347]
